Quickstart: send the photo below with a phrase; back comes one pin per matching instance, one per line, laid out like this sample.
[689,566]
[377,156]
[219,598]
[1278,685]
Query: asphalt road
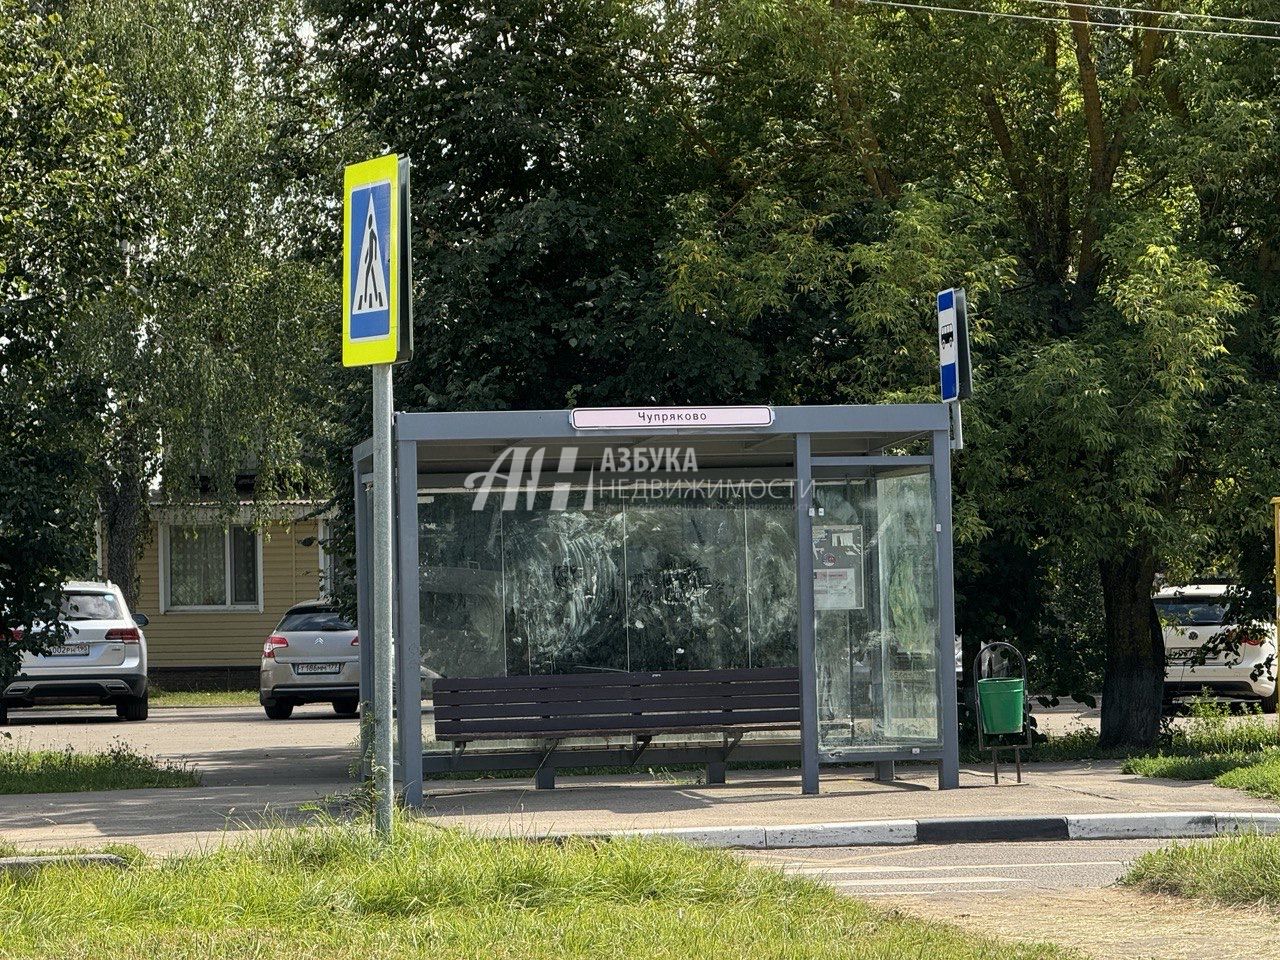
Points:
[975,868]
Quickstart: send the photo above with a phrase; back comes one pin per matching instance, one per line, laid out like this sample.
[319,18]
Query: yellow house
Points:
[214,590]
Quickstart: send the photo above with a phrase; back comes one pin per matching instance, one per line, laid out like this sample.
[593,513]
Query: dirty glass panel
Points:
[686,583]
[771,581]
[908,607]
[564,588]
[876,612]
[460,592]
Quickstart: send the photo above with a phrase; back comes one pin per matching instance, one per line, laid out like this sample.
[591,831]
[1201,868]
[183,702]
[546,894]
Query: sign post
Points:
[377,331]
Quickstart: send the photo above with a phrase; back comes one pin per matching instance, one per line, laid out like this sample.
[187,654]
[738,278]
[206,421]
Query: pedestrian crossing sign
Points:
[376,315]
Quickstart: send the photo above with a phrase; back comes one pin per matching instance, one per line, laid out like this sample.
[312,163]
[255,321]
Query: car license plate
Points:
[69,650]
[318,667]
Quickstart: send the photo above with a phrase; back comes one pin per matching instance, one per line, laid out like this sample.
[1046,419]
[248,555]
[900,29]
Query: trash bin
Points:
[1002,701]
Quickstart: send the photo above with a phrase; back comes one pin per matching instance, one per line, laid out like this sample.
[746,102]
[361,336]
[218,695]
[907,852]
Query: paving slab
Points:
[177,819]
[588,805]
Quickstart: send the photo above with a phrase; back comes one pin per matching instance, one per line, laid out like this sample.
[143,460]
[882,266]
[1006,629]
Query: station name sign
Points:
[644,418]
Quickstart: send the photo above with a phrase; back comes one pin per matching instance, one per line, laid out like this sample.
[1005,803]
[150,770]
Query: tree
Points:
[213,354]
[61,170]
[1114,380]
[757,200]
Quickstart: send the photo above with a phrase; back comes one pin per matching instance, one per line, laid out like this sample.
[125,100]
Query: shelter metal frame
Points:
[805,443]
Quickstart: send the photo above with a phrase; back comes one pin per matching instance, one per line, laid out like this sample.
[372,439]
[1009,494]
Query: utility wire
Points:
[1101,24]
[1179,14]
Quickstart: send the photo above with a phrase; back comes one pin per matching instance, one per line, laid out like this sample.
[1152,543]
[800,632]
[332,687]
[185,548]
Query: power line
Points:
[1059,20]
[1179,14]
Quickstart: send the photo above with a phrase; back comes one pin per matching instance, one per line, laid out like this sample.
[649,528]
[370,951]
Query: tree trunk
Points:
[1133,682]
[123,514]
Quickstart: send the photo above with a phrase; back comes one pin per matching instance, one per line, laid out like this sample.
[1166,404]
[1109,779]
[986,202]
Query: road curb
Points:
[1172,825]
[30,864]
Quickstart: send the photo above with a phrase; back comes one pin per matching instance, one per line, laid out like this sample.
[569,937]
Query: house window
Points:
[212,567]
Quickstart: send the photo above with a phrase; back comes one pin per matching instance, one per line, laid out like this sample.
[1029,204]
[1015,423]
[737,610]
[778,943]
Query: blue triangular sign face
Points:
[370,293]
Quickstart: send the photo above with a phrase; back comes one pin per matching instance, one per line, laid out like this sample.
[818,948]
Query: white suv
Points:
[1241,667]
[102,659]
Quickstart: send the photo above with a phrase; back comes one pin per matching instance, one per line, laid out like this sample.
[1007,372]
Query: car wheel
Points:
[135,708]
[1270,703]
[279,710]
[347,707]
[4,715]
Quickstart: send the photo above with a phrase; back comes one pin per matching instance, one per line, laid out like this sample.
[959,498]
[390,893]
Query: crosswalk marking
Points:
[909,881]
[804,869]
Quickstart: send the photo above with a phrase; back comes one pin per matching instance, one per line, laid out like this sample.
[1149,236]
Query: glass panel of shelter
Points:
[875,601]
[694,580]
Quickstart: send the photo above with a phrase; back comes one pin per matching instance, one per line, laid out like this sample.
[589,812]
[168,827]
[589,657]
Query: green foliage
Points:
[1216,745]
[119,767]
[214,352]
[1261,777]
[336,891]
[748,200]
[1238,871]
[60,229]
[1206,767]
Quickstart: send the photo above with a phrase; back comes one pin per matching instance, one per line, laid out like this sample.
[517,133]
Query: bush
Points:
[1214,729]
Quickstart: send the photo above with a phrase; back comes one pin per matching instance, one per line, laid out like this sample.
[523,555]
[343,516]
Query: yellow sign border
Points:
[366,352]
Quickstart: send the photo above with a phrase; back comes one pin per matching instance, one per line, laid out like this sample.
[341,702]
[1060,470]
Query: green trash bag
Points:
[1002,701]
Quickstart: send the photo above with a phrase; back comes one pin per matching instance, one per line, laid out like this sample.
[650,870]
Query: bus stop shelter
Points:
[641,545]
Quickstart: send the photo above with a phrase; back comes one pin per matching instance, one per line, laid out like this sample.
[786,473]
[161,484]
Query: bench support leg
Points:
[715,771]
[884,771]
[545,778]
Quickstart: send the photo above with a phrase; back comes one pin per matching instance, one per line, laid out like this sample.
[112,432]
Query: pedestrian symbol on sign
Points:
[371,292]
[370,278]
[377,275]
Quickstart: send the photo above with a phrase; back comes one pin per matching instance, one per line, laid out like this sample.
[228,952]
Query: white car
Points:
[101,660]
[1193,616]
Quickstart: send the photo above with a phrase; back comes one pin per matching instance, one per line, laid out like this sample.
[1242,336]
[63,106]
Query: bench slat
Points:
[629,731]
[632,708]
[621,723]
[635,679]
[480,699]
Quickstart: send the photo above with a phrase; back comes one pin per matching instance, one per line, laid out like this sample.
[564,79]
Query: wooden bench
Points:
[557,707]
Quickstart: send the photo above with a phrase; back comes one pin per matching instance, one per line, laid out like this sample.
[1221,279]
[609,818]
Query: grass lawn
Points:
[66,771]
[203,698]
[1238,752]
[331,892]
[1238,871]
[1262,779]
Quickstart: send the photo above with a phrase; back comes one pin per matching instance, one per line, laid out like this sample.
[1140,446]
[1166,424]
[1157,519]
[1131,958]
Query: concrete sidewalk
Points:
[171,820]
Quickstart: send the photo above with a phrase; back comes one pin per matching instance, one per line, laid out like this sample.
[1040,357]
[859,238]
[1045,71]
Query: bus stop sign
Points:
[953,346]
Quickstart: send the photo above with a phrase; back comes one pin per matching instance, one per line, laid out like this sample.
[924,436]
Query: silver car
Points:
[312,657]
[101,660]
